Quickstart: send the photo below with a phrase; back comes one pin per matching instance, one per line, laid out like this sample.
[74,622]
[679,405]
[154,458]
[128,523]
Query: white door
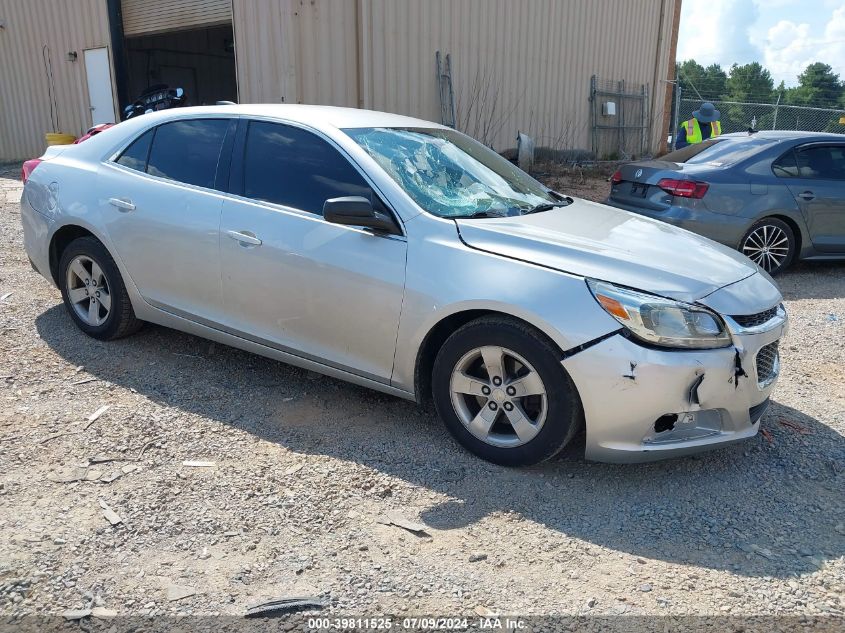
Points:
[100,94]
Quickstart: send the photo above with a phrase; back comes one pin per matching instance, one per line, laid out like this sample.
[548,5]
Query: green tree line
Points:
[818,87]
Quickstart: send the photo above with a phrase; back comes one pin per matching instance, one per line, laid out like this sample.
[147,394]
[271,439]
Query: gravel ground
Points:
[304,468]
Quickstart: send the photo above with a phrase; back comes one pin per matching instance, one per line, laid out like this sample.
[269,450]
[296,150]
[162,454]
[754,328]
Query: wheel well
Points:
[796,231]
[59,243]
[437,336]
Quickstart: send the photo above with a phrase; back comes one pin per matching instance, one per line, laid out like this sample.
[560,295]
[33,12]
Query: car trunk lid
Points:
[636,184]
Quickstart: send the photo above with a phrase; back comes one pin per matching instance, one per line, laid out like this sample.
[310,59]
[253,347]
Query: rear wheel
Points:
[500,389]
[770,243]
[93,291]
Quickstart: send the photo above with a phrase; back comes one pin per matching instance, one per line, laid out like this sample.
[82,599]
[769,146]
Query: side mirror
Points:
[357,211]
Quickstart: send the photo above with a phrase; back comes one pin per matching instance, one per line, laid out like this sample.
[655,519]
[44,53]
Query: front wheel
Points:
[499,387]
[769,243]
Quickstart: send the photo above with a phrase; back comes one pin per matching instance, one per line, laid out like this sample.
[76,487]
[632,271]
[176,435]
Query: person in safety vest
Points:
[704,124]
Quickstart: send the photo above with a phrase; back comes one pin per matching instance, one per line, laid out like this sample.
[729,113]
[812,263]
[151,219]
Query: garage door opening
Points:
[200,61]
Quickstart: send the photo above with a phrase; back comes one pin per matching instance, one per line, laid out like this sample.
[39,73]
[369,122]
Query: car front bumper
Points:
[644,404]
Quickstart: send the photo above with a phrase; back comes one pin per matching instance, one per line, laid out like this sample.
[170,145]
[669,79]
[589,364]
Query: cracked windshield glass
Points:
[451,175]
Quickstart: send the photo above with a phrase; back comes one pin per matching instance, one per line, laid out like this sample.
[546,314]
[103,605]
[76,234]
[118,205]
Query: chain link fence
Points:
[739,117]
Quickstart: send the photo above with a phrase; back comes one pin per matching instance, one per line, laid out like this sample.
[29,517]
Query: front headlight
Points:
[661,321]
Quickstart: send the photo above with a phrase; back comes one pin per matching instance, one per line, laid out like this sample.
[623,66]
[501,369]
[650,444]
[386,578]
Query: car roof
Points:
[784,135]
[317,116]
[327,119]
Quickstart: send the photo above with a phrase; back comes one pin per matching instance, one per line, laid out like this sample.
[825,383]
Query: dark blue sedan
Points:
[775,196]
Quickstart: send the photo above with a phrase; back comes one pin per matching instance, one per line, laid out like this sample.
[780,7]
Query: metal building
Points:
[586,74]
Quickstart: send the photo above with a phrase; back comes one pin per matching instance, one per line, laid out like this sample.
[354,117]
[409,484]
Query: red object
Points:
[616,178]
[28,167]
[93,131]
[684,188]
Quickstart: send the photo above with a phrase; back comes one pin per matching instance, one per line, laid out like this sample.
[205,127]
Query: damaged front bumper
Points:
[645,403]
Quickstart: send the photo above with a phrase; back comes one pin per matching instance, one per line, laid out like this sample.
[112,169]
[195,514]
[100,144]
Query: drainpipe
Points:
[119,60]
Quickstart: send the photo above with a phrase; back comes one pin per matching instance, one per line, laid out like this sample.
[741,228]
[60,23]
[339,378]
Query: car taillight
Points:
[616,178]
[684,188]
[28,167]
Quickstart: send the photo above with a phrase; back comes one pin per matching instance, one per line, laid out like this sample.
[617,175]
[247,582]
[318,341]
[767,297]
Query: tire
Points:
[481,420]
[770,243]
[86,257]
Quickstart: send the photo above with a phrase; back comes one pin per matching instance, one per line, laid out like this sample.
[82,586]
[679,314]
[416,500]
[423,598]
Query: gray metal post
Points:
[677,114]
[645,119]
[620,119]
[593,118]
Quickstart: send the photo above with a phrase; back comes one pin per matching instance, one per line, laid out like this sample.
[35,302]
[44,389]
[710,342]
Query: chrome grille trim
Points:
[753,320]
[768,365]
[776,317]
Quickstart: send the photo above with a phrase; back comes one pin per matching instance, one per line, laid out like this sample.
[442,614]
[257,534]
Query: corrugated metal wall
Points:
[297,51]
[24,94]
[516,65]
[146,16]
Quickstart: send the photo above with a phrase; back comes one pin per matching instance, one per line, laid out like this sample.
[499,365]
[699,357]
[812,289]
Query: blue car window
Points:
[730,152]
[786,166]
[825,162]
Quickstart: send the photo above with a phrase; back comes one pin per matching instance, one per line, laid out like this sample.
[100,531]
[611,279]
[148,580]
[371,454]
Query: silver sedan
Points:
[404,256]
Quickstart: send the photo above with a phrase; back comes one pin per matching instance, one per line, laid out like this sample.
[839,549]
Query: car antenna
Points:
[753,129]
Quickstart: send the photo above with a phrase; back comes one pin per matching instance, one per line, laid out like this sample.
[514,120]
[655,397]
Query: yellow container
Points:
[59,139]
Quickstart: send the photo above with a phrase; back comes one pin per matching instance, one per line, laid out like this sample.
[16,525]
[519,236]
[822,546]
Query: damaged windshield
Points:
[451,175]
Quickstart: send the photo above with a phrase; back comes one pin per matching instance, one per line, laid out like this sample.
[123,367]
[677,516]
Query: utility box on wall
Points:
[608,108]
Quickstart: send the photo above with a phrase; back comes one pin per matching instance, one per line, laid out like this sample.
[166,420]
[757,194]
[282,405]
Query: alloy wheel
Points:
[767,246]
[88,290]
[498,396]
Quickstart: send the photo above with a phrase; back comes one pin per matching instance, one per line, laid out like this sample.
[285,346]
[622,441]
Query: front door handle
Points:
[244,238]
[806,195]
[122,204]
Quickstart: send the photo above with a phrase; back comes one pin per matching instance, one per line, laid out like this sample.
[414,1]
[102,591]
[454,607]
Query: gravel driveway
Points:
[232,478]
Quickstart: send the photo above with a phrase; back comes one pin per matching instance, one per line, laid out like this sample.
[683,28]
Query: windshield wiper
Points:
[548,206]
[481,214]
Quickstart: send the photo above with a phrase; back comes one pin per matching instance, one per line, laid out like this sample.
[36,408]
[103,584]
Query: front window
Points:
[450,175]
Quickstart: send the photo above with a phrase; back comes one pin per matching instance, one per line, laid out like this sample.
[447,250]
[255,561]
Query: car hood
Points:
[597,241]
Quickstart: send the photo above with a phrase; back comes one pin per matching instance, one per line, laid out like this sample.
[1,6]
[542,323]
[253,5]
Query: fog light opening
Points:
[665,422]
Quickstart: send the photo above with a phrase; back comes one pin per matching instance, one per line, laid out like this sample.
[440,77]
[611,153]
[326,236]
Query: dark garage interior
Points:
[200,61]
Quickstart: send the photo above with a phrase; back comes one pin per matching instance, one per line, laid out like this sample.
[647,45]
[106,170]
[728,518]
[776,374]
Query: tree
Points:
[750,82]
[709,84]
[818,86]
[716,82]
[689,74]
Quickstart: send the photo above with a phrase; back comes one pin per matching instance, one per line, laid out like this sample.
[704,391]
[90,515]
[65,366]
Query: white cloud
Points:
[718,31]
[783,35]
[790,47]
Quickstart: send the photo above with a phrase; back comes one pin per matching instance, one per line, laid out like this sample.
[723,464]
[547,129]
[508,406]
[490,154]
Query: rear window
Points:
[188,151]
[719,151]
[135,156]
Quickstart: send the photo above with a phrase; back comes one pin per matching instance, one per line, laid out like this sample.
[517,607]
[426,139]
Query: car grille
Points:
[768,364]
[753,320]
[756,412]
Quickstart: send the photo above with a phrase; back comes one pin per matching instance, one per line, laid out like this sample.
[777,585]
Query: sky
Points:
[783,35]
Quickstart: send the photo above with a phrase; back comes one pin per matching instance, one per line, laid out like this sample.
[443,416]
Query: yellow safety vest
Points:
[693,130]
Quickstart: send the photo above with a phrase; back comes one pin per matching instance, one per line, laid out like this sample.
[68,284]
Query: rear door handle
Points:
[244,238]
[806,195]
[122,204]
